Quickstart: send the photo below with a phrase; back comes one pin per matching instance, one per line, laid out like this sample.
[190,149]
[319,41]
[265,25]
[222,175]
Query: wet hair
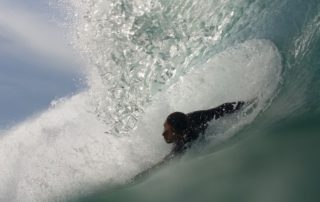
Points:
[179,121]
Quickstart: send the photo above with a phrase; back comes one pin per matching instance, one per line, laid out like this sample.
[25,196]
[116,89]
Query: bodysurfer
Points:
[182,129]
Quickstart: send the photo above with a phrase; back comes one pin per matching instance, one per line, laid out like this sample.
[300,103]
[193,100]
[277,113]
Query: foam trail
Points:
[63,150]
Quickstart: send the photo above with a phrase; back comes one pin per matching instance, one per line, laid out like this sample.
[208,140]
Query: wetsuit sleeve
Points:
[204,116]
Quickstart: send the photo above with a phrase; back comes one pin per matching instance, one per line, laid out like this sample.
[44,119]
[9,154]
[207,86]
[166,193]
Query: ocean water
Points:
[146,59]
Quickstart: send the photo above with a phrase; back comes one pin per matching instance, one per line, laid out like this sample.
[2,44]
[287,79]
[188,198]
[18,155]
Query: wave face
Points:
[140,48]
[149,58]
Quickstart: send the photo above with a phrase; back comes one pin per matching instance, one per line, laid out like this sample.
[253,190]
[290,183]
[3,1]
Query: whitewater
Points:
[146,59]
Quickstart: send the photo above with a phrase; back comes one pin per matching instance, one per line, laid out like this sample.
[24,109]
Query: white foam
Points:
[248,70]
[65,150]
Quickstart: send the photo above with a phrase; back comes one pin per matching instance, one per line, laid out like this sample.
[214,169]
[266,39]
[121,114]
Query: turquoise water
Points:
[274,158]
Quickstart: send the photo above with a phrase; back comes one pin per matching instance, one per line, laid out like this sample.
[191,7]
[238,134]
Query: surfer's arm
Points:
[226,108]
[204,116]
[173,154]
[153,168]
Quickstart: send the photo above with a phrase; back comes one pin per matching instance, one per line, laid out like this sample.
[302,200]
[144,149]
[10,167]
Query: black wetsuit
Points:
[198,122]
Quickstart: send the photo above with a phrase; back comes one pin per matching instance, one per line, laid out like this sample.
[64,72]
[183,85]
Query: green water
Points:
[279,165]
[275,158]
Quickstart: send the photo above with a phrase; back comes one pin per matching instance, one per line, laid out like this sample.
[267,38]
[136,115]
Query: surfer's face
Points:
[168,133]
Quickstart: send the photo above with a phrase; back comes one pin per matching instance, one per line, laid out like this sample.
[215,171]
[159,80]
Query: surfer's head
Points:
[175,126]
